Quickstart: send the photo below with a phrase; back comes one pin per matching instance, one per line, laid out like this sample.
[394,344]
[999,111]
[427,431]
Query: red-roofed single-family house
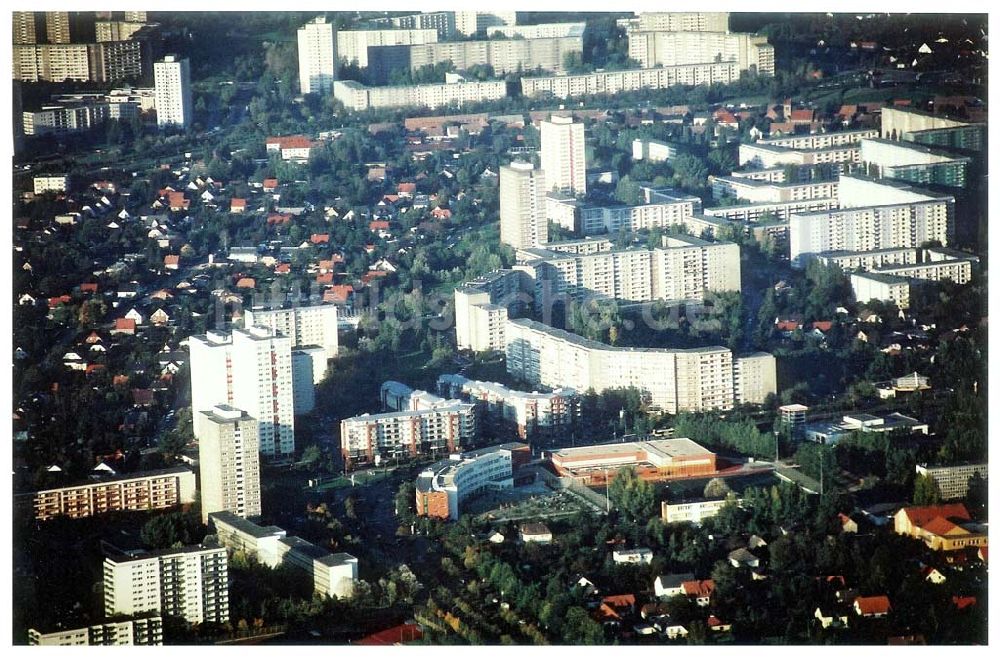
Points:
[872,607]
[319,238]
[171,261]
[441,213]
[177,202]
[88,287]
[270,184]
[124,326]
[237,205]
[291,147]
[246,282]
[406,189]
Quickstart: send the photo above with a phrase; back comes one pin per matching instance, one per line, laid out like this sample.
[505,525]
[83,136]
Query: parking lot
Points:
[529,502]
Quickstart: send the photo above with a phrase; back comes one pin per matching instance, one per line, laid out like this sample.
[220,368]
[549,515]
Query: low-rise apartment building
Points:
[766,156]
[868,286]
[143,630]
[763,192]
[946,527]
[693,511]
[151,490]
[953,481]
[333,574]
[407,433]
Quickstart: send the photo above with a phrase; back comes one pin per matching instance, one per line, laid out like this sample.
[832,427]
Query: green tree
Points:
[925,491]
[631,494]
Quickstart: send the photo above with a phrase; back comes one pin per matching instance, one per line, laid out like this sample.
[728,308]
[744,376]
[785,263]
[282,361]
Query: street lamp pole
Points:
[607,490]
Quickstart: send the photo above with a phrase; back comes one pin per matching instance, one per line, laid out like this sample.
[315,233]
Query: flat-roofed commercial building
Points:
[953,481]
[150,490]
[145,630]
[444,486]
[532,414]
[832,432]
[906,161]
[696,379]
[654,459]
[616,82]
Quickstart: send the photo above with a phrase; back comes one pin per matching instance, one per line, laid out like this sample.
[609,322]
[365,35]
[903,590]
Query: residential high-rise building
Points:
[470,22]
[249,370]
[749,51]
[172,79]
[24,27]
[144,630]
[683,21]
[52,62]
[57,27]
[564,155]
[317,42]
[135,16]
[229,461]
[191,583]
[915,163]
[522,206]
[314,325]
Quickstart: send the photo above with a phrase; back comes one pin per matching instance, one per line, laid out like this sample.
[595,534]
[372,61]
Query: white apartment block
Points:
[655,48]
[539,31]
[471,22]
[189,583]
[332,574]
[763,192]
[564,155]
[767,156]
[953,481]
[870,228]
[147,630]
[913,162]
[615,82]
[356,96]
[352,45]
[229,462]
[57,27]
[478,322]
[50,183]
[52,62]
[956,270]
[314,325]
[896,123]
[697,379]
[149,490]
[582,246]
[653,150]
[681,21]
[407,433]
[856,190]
[172,80]
[529,412]
[23,27]
[868,286]
[522,206]
[871,259]
[317,49]
[504,55]
[820,140]
[685,269]
[442,21]
[116,30]
[663,212]
[249,370]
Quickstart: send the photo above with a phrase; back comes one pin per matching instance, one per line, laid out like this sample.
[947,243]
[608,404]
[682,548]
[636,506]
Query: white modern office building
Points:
[172,81]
